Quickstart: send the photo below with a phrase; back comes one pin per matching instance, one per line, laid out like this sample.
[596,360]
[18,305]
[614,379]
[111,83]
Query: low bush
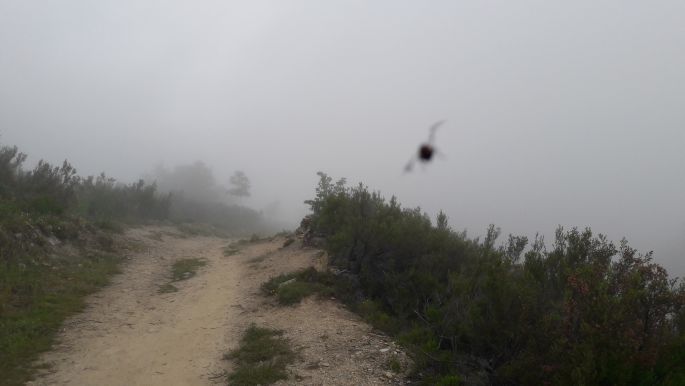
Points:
[104,199]
[586,311]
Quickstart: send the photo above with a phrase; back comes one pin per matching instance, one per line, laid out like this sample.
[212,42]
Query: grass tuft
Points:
[34,300]
[186,268]
[109,226]
[255,261]
[182,270]
[255,238]
[261,358]
[167,288]
[284,233]
[394,365]
[291,288]
[201,229]
[233,248]
[288,241]
[449,380]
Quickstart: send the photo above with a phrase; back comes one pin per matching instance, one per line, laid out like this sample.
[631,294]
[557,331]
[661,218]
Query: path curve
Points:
[132,335]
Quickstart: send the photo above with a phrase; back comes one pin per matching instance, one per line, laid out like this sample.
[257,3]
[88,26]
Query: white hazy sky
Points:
[564,113]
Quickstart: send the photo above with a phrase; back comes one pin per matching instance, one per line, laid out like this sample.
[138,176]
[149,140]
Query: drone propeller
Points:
[432,129]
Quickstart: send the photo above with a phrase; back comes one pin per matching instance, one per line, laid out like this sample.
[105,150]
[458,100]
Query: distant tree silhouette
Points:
[240,185]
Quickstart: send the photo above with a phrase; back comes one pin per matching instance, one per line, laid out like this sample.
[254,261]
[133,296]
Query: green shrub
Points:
[584,312]
[104,199]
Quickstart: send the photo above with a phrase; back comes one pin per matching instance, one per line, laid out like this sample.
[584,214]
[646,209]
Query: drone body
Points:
[426,150]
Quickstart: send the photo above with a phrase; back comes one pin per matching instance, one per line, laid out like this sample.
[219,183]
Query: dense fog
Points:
[556,113]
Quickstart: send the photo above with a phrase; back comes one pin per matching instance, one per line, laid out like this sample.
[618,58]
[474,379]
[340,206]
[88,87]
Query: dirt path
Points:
[130,334]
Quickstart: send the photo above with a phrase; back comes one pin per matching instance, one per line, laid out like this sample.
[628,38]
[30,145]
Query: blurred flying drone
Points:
[426,150]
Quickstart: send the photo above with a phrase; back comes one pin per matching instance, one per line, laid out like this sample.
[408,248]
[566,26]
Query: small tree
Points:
[442,221]
[240,185]
[10,169]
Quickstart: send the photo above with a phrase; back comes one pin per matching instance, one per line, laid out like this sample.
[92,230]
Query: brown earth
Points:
[130,334]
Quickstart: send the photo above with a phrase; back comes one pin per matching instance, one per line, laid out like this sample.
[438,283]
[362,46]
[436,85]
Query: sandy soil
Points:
[130,334]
